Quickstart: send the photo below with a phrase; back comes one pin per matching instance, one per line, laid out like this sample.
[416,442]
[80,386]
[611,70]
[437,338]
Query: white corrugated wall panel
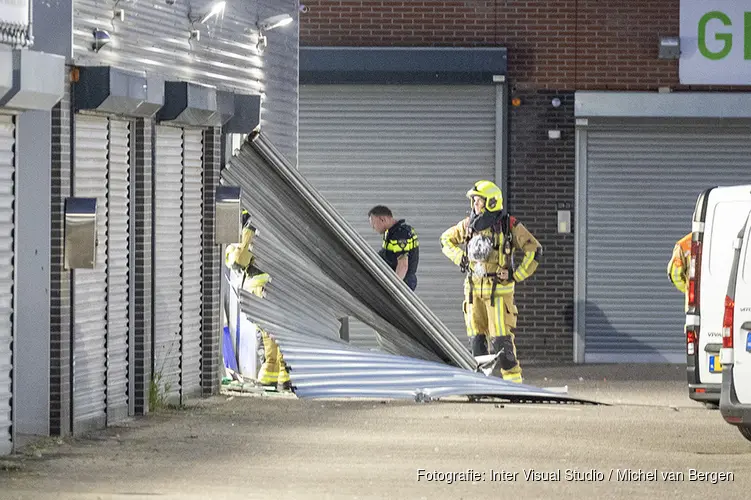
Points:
[192,258]
[90,285]
[7,198]
[416,149]
[642,186]
[280,81]
[118,262]
[155,38]
[168,172]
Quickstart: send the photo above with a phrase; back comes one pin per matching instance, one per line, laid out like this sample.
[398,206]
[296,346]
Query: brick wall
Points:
[553,44]
[142,288]
[540,180]
[60,300]
[211,353]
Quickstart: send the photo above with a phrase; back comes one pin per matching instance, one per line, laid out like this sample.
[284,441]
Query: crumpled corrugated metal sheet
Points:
[322,269]
[328,368]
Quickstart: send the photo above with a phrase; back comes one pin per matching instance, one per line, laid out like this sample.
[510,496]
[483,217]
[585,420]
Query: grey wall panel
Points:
[363,145]
[90,285]
[155,37]
[31,293]
[642,181]
[118,262]
[167,261]
[192,246]
[7,196]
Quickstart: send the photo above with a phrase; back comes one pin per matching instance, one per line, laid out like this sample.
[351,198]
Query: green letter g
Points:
[725,37]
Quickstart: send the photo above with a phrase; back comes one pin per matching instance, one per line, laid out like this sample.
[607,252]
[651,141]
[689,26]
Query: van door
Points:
[742,332]
[727,208]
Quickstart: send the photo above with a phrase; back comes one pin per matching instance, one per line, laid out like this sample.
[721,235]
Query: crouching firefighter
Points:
[240,260]
[483,245]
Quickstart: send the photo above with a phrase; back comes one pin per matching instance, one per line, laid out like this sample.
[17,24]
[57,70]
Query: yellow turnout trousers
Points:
[273,370]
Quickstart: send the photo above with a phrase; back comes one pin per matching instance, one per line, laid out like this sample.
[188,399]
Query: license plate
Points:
[748,342]
[714,364]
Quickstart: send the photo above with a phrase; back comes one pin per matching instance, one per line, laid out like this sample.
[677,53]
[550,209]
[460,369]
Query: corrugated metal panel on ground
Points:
[168,171]
[365,145]
[642,185]
[192,257]
[90,285]
[118,262]
[325,368]
[155,38]
[288,202]
[7,222]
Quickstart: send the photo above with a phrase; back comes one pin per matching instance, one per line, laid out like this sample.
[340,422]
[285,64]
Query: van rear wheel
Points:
[746,431]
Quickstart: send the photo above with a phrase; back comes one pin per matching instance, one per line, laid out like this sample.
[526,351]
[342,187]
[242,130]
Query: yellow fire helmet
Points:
[491,193]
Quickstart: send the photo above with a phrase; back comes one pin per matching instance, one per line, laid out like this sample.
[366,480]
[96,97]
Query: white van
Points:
[720,213]
[735,400]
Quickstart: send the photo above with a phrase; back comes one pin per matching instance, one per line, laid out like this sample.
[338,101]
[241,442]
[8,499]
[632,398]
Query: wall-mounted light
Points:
[272,22]
[217,8]
[101,38]
[556,102]
[669,48]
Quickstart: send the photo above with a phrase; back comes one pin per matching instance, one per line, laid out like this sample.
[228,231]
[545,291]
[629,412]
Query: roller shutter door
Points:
[90,285]
[168,261]
[7,221]
[117,269]
[641,187]
[416,149]
[192,260]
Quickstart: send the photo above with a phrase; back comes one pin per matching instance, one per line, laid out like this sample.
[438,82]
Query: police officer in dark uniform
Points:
[400,248]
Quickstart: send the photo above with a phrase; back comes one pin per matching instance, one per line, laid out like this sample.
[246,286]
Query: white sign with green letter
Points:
[715,42]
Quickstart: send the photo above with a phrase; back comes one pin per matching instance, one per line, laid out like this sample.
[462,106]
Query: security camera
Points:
[304,9]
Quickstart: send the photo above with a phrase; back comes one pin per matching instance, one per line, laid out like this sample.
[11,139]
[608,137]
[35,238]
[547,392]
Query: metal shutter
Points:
[90,285]
[167,261]
[7,221]
[192,258]
[117,268]
[415,149]
[641,188]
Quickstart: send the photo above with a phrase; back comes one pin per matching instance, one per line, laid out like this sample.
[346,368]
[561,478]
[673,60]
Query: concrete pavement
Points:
[652,442]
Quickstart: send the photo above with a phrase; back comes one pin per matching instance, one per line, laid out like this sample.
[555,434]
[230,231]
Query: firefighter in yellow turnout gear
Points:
[482,245]
[679,264]
[240,259]
[273,370]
